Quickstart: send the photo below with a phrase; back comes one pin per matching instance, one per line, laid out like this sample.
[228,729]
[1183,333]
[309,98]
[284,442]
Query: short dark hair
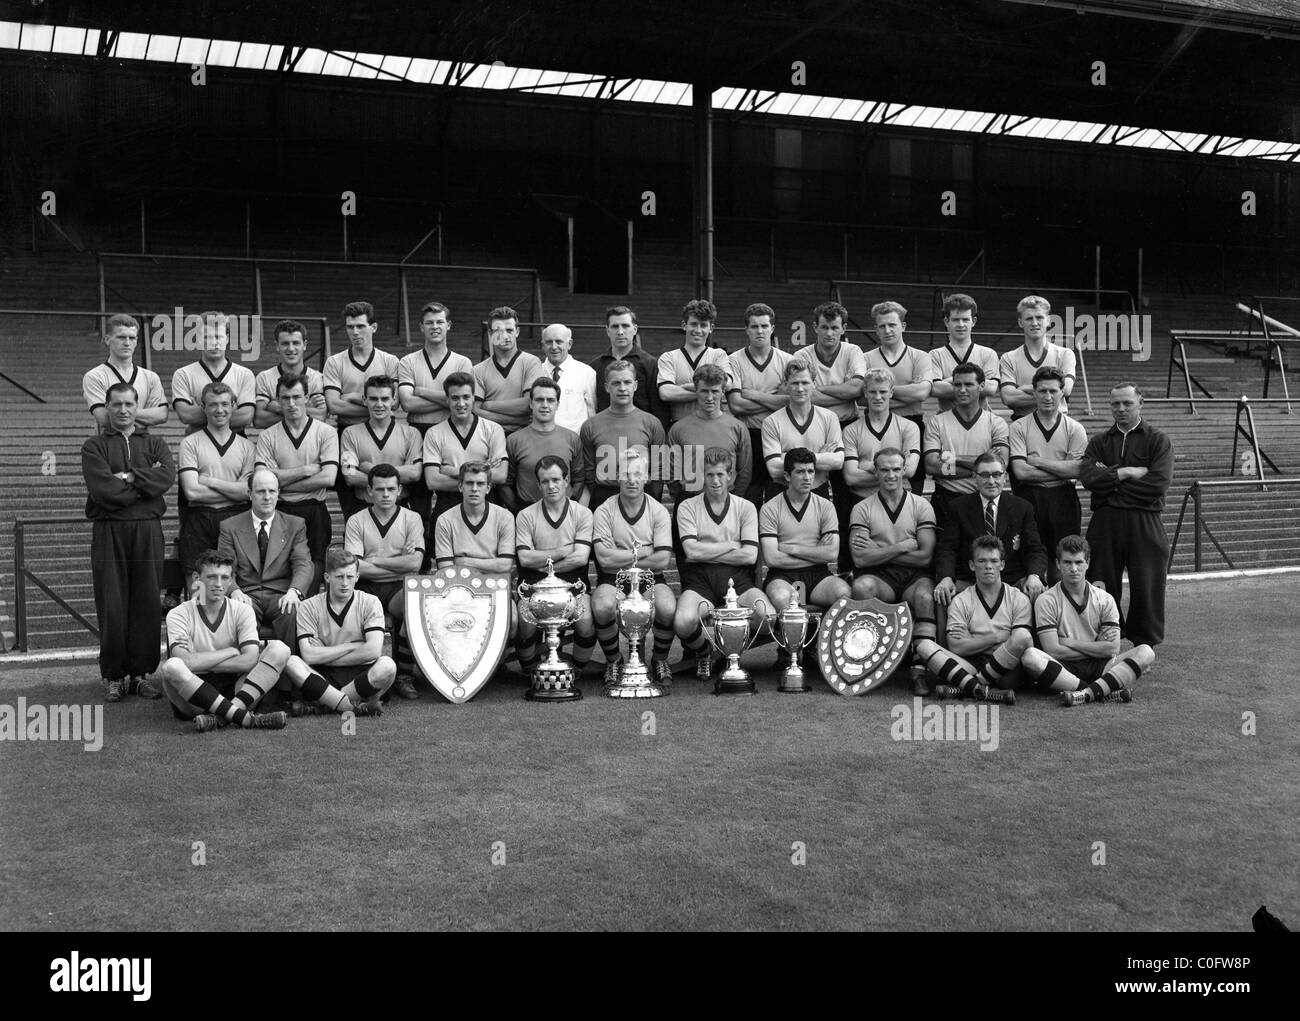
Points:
[701,308]
[288,326]
[798,455]
[619,310]
[380,382]
[435,307]
[213,558]
[120,319]
[503,312]
[339,555]
[709,375]
[829,310]
[1073,544]
[359,308]
[120,387]
[988,457]
[546,383]
[969,369]
[551,461]
[960,303]
[457,379]
[287,382]
[215,389]
[383,470]
[720,455]
[988,542]
[1049,372]
[475,467]
[759,309]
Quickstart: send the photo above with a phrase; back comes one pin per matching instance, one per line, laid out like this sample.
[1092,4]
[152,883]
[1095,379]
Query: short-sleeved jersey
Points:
[690,437]
[607,436]
[446,445]
[202,454]
[419,369]
[399,445]
[233,627]
[1064,441]
[676,366]
[535,529]
[945,359]
[148,387]
[1017,368]
[737,524]
[861,441]
[368,538]
[807,526]
[362,615]
[268,379]
[912,366]
[494,382]
[886,527]
[764,376]
[493,536]
[344,375]
[849,362]
[782,432]
[316,444]
[189,380]
[946,434]
[969,616]
[1096,619]
[649,528]
[526,446]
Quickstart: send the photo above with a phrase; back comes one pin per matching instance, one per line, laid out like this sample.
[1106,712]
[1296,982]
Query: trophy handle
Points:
[815,619]
[523,590]
[579,588]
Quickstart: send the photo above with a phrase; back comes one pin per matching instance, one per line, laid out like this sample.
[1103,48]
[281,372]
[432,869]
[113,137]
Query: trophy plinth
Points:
[727,629]
[552,605]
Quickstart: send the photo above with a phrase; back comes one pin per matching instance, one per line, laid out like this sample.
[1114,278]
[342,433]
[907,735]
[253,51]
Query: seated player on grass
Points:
[214,674]
[891,536]
[340,663]
[388,542]
[555,528]
[1078,629]
[631,519]
[719,533]
[988,633]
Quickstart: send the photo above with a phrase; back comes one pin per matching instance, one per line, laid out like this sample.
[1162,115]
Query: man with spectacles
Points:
[988,511]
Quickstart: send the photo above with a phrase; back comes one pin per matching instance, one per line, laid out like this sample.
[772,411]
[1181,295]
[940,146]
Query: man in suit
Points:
[969,517]
[273,565]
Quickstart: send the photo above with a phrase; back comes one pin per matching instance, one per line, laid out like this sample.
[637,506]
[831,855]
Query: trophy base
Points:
[553,683]
[634,682]
[793,683]
[739,683]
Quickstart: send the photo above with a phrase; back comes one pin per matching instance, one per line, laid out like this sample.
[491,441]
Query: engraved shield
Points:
[862,642]
[458,621]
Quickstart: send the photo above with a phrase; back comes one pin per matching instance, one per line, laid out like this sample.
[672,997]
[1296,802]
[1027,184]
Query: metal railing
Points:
[1215,339]
[23,574]
[1201,526]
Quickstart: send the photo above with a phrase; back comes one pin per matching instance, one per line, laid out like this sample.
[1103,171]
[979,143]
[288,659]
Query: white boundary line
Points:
[1249,572]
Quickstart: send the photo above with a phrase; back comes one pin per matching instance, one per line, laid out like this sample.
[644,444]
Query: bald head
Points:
[263,492]
[556,341]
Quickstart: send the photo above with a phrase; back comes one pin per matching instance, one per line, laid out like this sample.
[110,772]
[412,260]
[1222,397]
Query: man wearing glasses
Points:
[988,511]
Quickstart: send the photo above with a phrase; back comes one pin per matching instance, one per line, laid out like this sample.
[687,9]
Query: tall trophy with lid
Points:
[551,605]
[635,613]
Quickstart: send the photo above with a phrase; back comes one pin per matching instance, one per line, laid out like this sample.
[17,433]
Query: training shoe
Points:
[142,688]
[612,671]
[703,667]
[405,688]
[208,721]
[948,691]
[983,693]
[114,691]
[269,721]
[920,683]
[663,674]
[1072,698]
[1120,695]
[299,707]
[367,709]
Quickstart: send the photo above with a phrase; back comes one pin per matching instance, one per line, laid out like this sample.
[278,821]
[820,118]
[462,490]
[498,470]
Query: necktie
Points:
[262,541]
[555,373]
[990,525]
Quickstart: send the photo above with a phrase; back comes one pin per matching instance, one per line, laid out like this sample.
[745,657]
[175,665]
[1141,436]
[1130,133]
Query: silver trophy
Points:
[727,629]
[635,612]
[794,628]
[552,605]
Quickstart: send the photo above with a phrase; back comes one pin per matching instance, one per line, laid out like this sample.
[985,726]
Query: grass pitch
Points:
[593,823]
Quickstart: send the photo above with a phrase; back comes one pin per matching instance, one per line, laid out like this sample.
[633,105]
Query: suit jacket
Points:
[1016,527]
[288,560]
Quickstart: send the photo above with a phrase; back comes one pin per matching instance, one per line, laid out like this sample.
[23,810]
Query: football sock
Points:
[695,641]
[365,687]
[663,640]
[582,649]
[607,635]
[1122,674]
[923,628]
[257,682]
[316,689]
[997,665]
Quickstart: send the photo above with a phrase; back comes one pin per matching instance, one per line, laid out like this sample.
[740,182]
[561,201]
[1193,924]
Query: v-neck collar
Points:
[889,421]
[221,448]
[798,514]
[555,522]
[997,603]
[342,615]
[812,413]
[726,508]
[487,512]
[463,440]
[638,515]
[392,424]
[383,528]
[212,625]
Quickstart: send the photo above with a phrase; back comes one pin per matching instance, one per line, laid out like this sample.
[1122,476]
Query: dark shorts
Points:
[710,580]
[342,676]
[320,526]
[381,590]
[226,685]
[897,577]
[1086,669]
[810,576]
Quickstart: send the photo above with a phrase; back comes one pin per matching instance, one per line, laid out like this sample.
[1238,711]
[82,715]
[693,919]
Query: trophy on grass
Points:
[552,605]
[794,628]
[634,614]
[727,629]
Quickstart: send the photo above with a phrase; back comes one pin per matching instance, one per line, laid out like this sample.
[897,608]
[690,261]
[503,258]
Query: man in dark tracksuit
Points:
[1128,469]
[126,474]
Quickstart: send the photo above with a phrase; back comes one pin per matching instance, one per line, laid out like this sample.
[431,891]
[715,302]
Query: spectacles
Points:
[988,476]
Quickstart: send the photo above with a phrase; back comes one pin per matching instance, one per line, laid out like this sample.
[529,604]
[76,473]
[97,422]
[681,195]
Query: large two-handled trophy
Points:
[634,614]
[727,629]
[794,629]
[551,605]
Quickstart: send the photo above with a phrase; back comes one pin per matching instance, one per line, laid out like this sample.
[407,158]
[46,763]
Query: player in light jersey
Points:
[540,438]
[1016,368]
[878,429]
[291,346]
[121,333]
[632,528]
[381,439]
[215,673]
[477,533]
[953,439]
[388,542]
[800,538]
[756,392]
[1046,451]
[213,366]
[719,537]
[559,529]
[838,365]
[505,378]
[346,372]
[340,665]
[609,435]
[802,424]
[422,375]
[959,316]
[677,366]
[988,634]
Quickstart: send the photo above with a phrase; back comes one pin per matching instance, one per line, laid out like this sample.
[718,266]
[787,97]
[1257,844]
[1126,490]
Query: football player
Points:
[677,366]
[346,373]
[1016,368]
[954,439]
